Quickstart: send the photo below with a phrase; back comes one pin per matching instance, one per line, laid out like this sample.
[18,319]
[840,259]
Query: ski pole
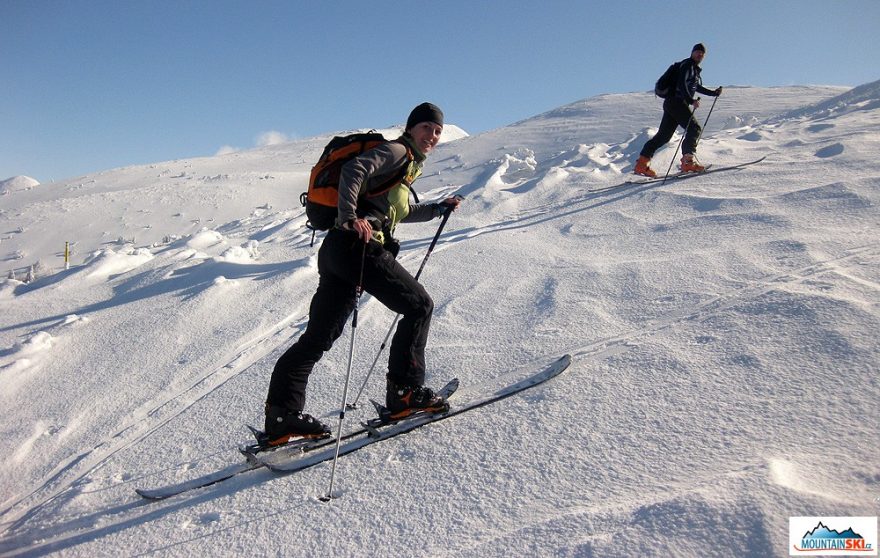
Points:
[707,119]
[674,155]
[397,317]
[358,291]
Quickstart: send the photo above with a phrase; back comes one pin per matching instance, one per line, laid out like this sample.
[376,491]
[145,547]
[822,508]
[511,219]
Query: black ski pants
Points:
[339,267]
[675,113]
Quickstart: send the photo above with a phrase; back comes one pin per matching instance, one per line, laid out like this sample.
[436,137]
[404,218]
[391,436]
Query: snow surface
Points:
[723,329]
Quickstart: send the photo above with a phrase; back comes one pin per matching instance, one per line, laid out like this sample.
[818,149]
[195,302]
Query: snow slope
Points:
[723,330]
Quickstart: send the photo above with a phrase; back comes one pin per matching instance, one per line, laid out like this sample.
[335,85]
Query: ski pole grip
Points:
[448,207]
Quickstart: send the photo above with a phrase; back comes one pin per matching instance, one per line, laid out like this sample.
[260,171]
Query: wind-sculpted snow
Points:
[864,98]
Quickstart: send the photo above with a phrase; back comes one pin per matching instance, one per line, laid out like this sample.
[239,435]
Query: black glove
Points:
[718,91]
[449,204]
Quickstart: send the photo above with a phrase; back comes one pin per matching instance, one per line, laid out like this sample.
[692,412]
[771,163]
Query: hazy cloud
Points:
[226,150]
[271,138]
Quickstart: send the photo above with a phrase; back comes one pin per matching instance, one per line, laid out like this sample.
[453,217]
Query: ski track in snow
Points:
[62,481]
[146,421]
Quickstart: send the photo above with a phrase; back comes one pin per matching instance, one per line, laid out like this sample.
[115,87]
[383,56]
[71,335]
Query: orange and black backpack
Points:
[321,200]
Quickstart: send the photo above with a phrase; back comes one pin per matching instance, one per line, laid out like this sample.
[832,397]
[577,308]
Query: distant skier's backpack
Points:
[321,200]
[665,86]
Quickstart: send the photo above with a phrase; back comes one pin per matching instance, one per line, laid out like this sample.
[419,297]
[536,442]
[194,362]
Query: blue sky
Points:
[93,85]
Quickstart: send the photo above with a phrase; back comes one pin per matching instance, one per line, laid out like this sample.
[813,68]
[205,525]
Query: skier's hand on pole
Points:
[361,227]
[450,204]
[696,103]
[718,91]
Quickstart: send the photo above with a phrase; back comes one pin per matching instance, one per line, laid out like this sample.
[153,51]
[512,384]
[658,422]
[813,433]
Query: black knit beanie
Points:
[700,47]
[425,112]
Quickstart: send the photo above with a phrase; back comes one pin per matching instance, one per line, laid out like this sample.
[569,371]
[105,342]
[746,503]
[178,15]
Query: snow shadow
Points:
[830,151]
[185,283]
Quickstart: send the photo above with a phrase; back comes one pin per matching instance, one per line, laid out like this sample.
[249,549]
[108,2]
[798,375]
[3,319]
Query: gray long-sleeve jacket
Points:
[373,169]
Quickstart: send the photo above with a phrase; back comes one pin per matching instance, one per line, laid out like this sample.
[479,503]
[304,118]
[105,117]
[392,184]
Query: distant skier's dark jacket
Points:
[689,82]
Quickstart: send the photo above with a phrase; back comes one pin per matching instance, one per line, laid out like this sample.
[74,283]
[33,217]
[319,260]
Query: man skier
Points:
[676,113]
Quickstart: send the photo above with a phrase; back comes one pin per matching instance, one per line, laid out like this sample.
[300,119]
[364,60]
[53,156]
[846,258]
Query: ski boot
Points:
[643,169]
[689,163]
[402,401]
[283,425]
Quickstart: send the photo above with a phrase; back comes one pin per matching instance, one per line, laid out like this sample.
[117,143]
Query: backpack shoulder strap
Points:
[410,157]
[398,177]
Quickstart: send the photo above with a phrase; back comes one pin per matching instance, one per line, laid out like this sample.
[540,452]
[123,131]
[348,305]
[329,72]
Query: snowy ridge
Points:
[723,330]
[862,98]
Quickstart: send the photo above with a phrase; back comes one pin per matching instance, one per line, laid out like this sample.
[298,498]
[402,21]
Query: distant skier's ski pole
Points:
[359,290]
[397,317]
[674,155]
[703,129]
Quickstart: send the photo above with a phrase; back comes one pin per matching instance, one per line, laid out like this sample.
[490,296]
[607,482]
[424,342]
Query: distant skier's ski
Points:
[252,451]
[636,179]
[478,396]
[639,179]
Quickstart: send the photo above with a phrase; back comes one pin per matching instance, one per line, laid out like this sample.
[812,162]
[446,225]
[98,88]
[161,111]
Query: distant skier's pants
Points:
[339,267]
[675,113]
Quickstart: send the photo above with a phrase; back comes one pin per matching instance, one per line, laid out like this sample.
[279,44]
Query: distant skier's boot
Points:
[402,401]
[283,425]
[689,163]
[642,167]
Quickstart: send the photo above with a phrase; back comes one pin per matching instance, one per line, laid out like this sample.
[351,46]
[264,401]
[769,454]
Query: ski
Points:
[709,170]
[249,452]
[221,475]
[673,176]
[254,453]
[477,396]
[677,176]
